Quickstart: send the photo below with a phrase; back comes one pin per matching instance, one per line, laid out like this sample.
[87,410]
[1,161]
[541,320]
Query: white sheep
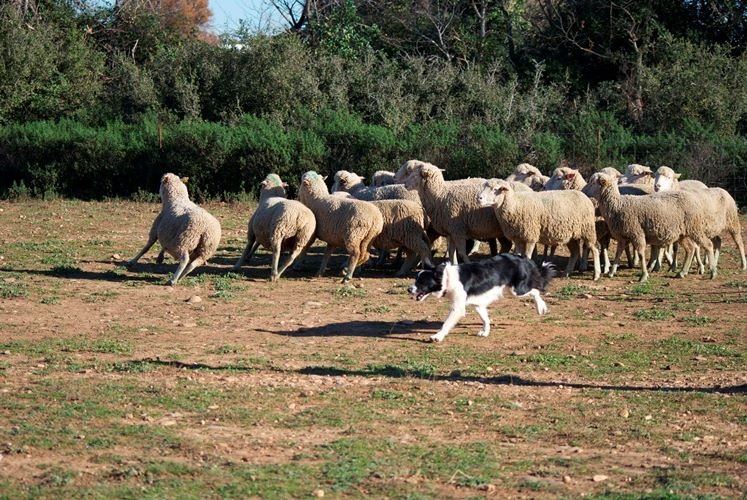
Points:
[637,174]
[658,219]
[278,224]
[184,230]
[548,217]
[528,175]
[353,183]
[453,210]
[667,180]
[382,178]
[565,178]
[613,172]
[404,227]
[340,222]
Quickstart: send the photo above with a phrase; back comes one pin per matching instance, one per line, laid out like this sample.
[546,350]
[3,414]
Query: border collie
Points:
[480,284]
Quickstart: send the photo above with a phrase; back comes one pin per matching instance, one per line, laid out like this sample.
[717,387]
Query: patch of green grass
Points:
[344,292]
[386,394]
[736,284]
[685,347]
[227,349]
[654,314]
[571,291]
[698,320]
[50,300]
[95,297]
[54,345]
[11,288]
[376,309]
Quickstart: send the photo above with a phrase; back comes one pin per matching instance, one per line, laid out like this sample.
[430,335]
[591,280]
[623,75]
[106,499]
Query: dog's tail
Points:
[547,273]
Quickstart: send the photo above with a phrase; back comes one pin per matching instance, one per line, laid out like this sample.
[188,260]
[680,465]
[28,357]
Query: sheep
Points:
[278,223]
[453,210]
[591,189]
[548,217]
[565,178]
[658,219]
[184,230]
[529,175]
[636,174]
[382,178]
[353,184]
[666,179]
[340,222]
[404,227]
[613,172]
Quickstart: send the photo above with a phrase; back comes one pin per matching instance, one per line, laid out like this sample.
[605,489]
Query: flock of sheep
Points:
[408,210]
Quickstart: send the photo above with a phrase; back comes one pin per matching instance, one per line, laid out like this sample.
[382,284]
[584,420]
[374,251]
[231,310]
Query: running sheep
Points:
[341,222]
[658,219]
[453,210]
[404,227]
[278,224]
[548,217]
[184,230]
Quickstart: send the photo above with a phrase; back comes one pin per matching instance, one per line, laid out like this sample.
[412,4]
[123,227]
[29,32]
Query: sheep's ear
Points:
[677,176]
[570,175]
[647,173]
[263,183]
[602,181]
[325,177]
[284,184]
[184,179]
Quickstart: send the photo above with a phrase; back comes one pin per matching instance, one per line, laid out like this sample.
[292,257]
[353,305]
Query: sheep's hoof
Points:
[681,274]
[713,273]
[643,279]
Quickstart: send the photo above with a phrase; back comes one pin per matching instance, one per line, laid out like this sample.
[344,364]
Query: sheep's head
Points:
[493,192]
[405,170]
[665,179]
[273,180]
[172,187]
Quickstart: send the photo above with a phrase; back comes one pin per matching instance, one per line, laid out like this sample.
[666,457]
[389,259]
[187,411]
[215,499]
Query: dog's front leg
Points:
[454,316]
[541,305]
[482,311]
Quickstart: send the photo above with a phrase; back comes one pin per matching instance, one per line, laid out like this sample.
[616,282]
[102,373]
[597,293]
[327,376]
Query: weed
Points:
[698,320]
[50,300]
[571,291]
[344,292]
[10,288]
[377,309]
[95,297]
[654,314]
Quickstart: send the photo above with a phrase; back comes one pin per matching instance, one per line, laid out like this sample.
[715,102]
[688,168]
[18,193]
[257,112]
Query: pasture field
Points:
[113,384]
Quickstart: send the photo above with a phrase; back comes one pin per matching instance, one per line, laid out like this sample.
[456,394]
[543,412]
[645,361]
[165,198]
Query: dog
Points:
[480,284]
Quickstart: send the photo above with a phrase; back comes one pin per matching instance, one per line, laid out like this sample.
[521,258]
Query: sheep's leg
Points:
[595,258]
[689,252]
[409,263]
[460,245]
[152,238]
[193,264]
[297,250]
[716,248]
[671,256]
[276,249]
[654,263]
[699,260]
[505,244]
[325,259]
[631,257]
[181,268]
[482,311]
[350,265]
[528,248]
[708,245]
[640,250]
[246,255]
[573,247]
[583,263]
[622,246]
[493,246]
[161,255]
[737,237]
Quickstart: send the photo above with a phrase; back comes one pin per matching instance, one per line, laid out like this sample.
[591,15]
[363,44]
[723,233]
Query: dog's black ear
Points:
[429,267]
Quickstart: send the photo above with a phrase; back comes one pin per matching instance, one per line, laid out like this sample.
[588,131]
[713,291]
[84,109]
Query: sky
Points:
[226,13]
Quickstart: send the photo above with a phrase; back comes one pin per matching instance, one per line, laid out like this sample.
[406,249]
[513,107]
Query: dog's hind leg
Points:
[482,311]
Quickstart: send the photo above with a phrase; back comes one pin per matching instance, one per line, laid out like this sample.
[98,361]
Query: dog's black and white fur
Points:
[480,284]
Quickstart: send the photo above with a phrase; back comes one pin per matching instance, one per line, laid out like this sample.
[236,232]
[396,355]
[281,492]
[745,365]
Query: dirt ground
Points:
[305,386]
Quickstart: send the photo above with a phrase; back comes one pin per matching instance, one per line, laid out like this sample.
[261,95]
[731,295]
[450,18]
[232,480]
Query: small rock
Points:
[7,353]
[116,256]
[708,339]
[194,299]
[490,488]
[609,314]
[314,304]
[700,358]
[647,417]
[624,413]
[588,296]
[566,479]
[318,493]
[598,478]
[168,423]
